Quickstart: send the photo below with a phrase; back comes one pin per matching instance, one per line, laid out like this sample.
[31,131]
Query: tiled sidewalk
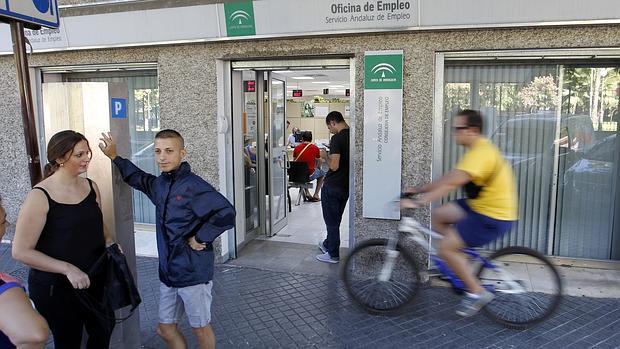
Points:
[268,309]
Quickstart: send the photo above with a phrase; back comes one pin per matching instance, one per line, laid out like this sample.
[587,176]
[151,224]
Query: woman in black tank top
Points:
[60,234]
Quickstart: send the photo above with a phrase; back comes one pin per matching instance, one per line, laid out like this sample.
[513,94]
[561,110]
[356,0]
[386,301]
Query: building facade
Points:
[549,90]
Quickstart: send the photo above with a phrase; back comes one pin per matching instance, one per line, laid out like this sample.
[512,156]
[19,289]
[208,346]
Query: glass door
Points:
[276,111]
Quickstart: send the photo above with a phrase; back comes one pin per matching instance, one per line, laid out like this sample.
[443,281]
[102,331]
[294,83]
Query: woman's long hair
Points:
[61,144]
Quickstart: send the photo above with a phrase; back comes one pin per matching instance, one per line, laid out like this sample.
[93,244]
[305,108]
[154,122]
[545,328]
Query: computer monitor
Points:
[297,137]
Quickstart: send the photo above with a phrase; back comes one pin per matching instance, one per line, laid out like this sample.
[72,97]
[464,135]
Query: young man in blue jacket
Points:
[190,215]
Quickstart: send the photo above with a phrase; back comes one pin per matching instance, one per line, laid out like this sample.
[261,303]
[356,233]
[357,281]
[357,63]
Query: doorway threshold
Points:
[285,257]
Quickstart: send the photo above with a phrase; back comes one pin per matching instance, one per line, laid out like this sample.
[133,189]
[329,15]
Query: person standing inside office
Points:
[335,191]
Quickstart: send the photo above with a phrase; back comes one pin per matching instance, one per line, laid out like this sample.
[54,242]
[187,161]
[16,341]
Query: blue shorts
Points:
[477,229]
[318,173]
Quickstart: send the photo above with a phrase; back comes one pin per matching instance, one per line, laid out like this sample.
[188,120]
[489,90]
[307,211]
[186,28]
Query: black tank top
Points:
[72,233]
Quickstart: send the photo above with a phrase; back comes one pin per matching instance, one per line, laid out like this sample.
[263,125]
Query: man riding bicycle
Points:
[490,211]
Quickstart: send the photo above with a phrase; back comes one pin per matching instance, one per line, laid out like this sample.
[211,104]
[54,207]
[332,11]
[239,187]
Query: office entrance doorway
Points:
[273,103]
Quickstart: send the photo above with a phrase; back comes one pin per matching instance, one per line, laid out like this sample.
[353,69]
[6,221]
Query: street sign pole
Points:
[23,79]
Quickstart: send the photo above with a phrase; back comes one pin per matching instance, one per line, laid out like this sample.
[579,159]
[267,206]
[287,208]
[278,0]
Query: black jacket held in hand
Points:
[186,206]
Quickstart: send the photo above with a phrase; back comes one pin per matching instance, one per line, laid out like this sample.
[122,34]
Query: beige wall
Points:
[315,124]
[188,92]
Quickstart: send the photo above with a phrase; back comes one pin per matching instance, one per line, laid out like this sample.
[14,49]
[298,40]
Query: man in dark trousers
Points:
[190,215]
[335,187]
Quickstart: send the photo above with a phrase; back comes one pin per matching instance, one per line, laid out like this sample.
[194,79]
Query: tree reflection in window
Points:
[147,109]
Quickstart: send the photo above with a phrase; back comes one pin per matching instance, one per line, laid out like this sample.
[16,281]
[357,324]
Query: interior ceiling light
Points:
[302,78]
[282,71]
[335,86]
[321,82]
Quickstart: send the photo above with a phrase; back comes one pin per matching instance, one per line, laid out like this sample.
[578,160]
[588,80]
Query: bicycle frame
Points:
[414,230]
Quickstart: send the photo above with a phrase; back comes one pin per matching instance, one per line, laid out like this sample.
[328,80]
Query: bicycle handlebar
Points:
[409,196]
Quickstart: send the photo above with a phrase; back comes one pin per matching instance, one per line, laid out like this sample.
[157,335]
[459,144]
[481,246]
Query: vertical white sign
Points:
[383,116]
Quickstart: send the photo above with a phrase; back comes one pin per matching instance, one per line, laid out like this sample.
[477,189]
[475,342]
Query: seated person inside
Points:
[310,154]
[249,156]
[294,139]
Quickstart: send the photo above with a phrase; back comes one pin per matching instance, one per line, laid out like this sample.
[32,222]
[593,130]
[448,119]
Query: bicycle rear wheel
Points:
[527,287]
[361,273]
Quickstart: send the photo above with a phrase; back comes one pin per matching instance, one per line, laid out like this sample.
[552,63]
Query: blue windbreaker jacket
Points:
[186,205]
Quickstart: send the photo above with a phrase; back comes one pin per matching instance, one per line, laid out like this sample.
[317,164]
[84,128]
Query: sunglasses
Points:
[456,128]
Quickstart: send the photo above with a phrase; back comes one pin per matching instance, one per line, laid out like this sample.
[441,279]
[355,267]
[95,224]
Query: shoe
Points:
[322,247]
[313,199]
[471,305]
[325,257]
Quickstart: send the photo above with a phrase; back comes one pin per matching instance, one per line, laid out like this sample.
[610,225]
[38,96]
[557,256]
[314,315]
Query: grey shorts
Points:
[195,301]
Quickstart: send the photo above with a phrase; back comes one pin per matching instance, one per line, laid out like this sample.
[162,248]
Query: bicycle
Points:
[382,276]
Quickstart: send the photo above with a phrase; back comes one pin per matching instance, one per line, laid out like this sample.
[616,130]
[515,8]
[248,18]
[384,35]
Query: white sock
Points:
[472,295]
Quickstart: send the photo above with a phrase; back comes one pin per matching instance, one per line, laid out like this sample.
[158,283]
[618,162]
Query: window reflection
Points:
[557,125]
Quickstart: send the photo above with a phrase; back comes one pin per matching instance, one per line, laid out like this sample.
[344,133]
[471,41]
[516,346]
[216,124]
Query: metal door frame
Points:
[275,228]
[289,63]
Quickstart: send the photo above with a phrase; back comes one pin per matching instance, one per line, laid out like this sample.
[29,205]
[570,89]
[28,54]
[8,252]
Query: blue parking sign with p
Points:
[118,108]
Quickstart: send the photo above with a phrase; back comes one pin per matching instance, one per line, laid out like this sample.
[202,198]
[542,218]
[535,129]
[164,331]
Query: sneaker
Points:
[470,305]
[325,257]
[322,247]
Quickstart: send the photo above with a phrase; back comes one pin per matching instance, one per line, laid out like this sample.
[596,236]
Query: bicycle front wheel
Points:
[527,287]
[378,280]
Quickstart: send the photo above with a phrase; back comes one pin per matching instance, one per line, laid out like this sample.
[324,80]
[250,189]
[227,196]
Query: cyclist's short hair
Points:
[473,118]
[168,133]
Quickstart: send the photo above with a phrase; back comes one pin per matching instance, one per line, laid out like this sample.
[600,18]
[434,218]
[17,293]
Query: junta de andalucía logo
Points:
[383,68]
[239,16]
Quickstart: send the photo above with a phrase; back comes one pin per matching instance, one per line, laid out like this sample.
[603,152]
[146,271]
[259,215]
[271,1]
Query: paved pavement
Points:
[256,308]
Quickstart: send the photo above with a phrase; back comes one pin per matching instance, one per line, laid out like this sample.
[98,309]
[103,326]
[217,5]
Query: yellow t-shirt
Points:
[498,198]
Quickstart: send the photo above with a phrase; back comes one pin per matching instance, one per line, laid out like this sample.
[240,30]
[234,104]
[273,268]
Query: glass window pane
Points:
[588,162]
[518,103]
